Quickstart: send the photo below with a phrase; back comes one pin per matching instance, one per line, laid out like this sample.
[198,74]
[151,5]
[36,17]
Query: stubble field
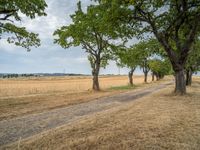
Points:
[160,120]
[24,96]
[48,85]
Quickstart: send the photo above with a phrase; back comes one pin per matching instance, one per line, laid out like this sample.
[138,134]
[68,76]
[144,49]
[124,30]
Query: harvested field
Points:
[158,121]
[25,96]
[49,85]
[29,125]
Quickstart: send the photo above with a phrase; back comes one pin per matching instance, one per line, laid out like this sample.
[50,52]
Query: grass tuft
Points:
[126,87]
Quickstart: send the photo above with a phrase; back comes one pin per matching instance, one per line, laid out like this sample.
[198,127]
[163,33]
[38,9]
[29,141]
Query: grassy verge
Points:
[126,87]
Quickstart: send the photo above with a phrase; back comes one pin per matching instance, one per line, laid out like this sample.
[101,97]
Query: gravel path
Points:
[22,127]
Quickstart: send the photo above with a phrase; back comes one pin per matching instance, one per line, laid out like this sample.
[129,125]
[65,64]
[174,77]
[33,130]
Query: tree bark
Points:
[188,77]
[157,77]
[145,69]
[95,74]
[145,76]
[178,66]
[130,75]
[95,85]
[180,86]
[153,76]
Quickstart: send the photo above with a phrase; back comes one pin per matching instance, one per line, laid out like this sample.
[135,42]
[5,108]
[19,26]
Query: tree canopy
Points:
[159,68]
[11,12]
[174,23]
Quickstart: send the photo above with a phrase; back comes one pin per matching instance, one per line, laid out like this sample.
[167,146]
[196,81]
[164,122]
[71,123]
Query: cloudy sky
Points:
[49,57]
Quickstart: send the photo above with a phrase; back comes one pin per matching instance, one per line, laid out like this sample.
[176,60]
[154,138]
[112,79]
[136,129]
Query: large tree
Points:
[174,23]
[11,12]
[89,31]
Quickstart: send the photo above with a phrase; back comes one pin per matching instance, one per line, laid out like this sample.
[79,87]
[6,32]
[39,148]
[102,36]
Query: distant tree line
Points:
[17,75]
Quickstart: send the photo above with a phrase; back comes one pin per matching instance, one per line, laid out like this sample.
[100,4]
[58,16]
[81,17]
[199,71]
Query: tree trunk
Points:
[145,69]
[145,77]
[95,85]
[153,76]
[157,77]
[95,74]
[130,75]
[188,77]
[180,87]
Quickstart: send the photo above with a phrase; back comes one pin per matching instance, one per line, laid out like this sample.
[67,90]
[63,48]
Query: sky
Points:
[50,57]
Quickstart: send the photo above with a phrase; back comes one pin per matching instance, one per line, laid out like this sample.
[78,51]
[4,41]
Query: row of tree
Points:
[167,30]
[145,55]
[14,75]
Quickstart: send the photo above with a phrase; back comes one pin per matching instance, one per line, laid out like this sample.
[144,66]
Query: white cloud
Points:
[81,60]
[58,14]
[10,48]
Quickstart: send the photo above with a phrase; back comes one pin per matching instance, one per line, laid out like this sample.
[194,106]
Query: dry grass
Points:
[158,121]
[46,85]
[24,96]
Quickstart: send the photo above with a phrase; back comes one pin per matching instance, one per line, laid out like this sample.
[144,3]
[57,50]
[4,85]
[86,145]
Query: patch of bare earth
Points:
[158,121]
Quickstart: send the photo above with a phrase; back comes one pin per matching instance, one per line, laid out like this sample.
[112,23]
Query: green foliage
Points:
[129,57]
[10,11]
[146,49]
[138,53]
[174,23]
[89,31]
[22,37]
[193,62]
[160,67]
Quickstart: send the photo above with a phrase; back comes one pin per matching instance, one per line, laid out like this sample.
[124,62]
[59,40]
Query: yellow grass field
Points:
[49,85]
[24,96]
[157,121]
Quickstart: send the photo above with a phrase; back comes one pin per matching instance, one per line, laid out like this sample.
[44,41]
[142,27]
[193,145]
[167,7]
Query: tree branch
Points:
[189,41]
[90,49]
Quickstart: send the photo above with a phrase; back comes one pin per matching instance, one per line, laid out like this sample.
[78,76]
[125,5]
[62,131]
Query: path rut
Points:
[22,127]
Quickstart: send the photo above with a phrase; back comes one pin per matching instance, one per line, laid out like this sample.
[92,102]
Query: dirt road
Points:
[22,127]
